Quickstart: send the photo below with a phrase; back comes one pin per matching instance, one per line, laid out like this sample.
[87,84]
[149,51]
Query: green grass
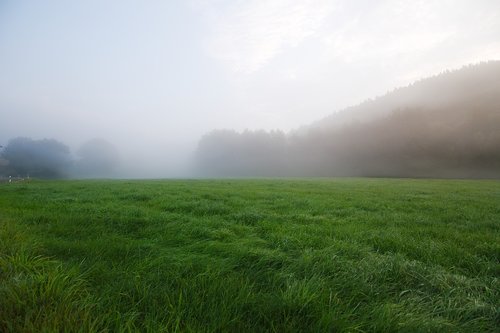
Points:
[330,255]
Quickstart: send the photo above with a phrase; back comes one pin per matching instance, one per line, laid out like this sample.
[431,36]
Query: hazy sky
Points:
[159,74]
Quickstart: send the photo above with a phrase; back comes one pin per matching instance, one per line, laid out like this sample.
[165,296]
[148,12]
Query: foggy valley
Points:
[286,88]
[445,126]
[249,166]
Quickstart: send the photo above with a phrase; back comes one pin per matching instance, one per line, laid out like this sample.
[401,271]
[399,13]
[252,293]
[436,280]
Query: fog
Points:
[127,89]
[445,126]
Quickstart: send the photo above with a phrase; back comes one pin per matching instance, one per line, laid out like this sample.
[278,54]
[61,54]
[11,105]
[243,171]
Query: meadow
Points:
[261,255]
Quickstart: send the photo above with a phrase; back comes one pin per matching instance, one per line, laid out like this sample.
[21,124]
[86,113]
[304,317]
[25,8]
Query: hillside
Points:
[445,90]
[447,125]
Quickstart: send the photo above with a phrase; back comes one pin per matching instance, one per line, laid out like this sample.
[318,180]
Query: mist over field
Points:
[444,126]
[248,89]
[249,166]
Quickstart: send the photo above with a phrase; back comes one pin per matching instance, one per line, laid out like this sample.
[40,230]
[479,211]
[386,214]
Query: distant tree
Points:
[443,126]
[250,153]
[3,163]
[45,158]
[97,158]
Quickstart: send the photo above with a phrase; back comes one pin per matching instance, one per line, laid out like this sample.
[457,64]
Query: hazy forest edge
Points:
[445,126]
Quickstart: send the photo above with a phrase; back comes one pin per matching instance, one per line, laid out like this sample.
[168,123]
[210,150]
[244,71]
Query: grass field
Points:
[331,255]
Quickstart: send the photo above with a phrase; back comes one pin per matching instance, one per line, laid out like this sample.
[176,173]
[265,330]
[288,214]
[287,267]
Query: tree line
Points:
[444,126]
[49,158]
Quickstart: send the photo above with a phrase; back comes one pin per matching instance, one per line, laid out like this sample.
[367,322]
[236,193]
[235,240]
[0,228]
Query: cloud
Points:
[412,39]
[389,29]
[247,35]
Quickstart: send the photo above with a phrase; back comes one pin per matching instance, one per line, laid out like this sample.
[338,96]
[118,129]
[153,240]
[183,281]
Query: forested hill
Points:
[447,125]
[444,90]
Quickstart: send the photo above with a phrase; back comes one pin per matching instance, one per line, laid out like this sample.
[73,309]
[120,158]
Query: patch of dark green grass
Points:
[329,255]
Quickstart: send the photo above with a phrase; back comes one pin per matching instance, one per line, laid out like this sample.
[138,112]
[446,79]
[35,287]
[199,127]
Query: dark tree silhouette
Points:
[45,158]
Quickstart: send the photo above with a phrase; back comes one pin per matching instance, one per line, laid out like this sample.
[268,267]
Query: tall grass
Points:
[367,255]
[37,294]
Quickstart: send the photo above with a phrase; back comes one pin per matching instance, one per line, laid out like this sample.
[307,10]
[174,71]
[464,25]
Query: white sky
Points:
[159,74]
